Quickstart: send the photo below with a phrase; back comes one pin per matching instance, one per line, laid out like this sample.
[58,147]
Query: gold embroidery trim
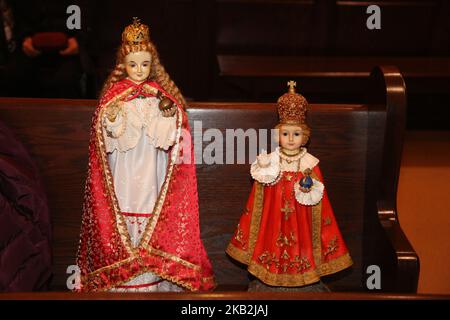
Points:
[174,258]
[317,229]
[300,264]
[332,246]
[269,259]
[110,267]
[284,240]
[144,269]
[239,237]
[149,89]
[286,209]
[297,280]
[286,280]
[335,265]
[256,217]
[238,254]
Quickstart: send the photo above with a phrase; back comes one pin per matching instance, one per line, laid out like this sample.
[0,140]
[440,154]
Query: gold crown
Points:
[292,106]
[136,33]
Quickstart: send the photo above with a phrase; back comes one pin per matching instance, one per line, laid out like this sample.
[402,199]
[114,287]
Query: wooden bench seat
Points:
[232,295]
[359,146]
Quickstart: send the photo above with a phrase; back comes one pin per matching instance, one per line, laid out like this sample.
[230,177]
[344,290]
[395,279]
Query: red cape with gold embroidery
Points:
[171,246]
[285,243]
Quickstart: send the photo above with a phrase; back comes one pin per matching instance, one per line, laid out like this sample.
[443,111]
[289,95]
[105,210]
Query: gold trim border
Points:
[90,278]
[297,280]
[285,280]
[174,258]
[238,254]
[317,229]
[256,216]
[335,265]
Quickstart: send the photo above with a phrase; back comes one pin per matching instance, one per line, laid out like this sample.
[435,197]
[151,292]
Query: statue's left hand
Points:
[167,107]
[72,48]
[169,112]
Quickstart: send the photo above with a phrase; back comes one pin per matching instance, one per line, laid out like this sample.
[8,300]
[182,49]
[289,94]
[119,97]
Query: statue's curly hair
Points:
[157,72]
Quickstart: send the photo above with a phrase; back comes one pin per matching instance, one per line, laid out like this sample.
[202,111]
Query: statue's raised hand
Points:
[263,159]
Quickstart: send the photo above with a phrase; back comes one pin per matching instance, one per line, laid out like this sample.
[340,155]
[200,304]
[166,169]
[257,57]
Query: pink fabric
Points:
[25,230]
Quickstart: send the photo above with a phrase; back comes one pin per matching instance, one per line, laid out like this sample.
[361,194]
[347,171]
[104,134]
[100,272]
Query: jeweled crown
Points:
[292,106]
[136,33]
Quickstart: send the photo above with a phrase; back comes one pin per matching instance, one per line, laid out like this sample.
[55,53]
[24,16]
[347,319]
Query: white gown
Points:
[137,143]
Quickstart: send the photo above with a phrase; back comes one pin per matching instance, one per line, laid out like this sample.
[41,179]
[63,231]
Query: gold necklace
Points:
[287,154]
[289,158]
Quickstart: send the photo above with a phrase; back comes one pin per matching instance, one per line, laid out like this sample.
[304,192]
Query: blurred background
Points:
[238,50]
[246,50]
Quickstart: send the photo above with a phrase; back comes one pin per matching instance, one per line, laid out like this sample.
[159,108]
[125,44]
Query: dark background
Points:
[324,45]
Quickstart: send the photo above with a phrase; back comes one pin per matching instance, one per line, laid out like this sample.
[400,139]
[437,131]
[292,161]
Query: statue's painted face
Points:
[138,65]
[291,136]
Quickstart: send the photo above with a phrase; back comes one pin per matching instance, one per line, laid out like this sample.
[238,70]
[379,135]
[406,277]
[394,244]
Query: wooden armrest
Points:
[408,265]
[407,271]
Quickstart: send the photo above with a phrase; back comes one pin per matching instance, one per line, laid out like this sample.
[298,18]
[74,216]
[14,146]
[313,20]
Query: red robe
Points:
[285,243]
[171,246]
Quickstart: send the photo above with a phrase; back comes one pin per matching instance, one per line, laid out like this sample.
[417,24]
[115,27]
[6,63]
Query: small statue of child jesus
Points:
[288,235]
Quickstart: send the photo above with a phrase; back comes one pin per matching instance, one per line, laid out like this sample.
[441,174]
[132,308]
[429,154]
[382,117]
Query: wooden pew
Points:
[327,48]
[258,77]
[331,28]
[339,79]
[359,146]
